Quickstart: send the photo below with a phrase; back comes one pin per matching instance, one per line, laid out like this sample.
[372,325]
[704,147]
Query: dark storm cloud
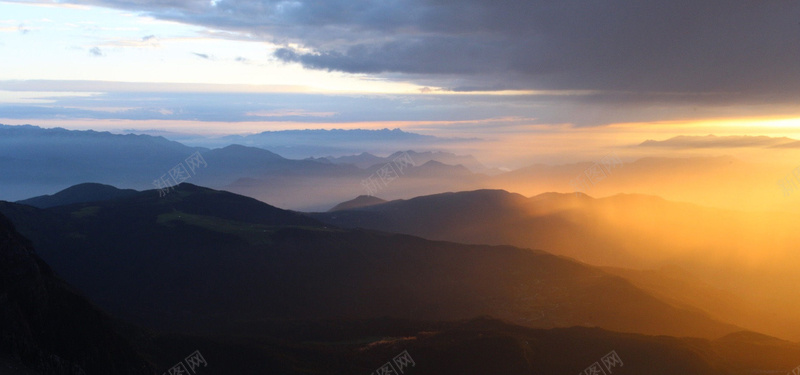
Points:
[720,47]
[417,56]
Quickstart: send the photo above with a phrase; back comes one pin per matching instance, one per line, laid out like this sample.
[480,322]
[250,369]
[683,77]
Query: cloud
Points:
[239,103]
[149,41]
[712,141]
[202,55]
[673,51]
[22,29]
[146,101]
[289,113]
[96,51]
[150,87]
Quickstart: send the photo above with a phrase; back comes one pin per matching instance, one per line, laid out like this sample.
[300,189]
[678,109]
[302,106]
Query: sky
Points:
[567,74]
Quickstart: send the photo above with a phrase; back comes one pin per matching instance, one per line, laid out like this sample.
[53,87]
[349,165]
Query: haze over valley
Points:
[399,187]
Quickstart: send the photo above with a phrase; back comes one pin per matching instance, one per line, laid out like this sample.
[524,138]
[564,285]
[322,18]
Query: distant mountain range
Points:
[38,161]
[301,144]
[366,160]
[713,141]
[716,181]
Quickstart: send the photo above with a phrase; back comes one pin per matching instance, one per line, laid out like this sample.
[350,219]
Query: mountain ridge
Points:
[225,244]
[81,193]
[631,231]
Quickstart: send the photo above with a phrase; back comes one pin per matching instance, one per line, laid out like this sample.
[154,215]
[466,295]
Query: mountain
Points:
[746,183]
[206,261]
[37,161]
[230,163]
[682,288]
[476,346]
[627,231]
[362,160]
[465,217]
[605,231]
[87,192]
[360,201]
[313,186]
[301,144]
[486,346]
[47,327]
[713,141]
[67,158]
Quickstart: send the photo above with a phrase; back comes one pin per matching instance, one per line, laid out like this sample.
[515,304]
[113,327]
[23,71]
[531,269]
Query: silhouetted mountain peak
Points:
[491,195]
[81,193]
[204,202]
[484,197]
[358,202]
[246,151]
